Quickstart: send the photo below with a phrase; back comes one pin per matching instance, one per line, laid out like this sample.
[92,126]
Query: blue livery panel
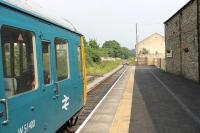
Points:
[48,106]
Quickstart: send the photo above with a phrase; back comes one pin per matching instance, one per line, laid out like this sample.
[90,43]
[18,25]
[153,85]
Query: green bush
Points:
[109,49]
[92,56]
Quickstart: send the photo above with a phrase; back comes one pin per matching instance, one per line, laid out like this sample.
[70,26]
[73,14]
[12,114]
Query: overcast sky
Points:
[115,19]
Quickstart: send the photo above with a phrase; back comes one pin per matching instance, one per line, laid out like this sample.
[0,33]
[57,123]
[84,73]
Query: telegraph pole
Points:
[136,28]
[136,38]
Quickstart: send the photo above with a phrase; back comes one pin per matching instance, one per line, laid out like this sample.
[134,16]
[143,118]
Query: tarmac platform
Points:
[147,100]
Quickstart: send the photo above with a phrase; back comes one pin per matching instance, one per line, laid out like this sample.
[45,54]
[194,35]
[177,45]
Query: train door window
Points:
[46,50]
[19,60]
[79,59]
[62,59]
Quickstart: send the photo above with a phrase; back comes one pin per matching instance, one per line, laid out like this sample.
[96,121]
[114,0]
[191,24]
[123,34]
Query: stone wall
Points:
[189,41]
[181,38]
[172,42]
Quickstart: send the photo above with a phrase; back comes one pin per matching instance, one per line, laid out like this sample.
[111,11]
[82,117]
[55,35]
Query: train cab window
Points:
[19,60]
[46,56]
[62,59]
[79,59]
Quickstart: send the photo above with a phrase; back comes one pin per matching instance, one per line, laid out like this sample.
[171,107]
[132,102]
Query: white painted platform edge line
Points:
[97,106]
[187,110]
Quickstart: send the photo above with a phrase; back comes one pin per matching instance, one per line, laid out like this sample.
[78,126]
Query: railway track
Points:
[94,97]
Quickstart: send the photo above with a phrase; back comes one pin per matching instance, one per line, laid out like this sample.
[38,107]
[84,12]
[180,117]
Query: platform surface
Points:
[164,103]
[103,119]
[148,100]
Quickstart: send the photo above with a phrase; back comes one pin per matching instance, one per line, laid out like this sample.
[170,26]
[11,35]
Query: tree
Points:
[92,55]
[110,49]
[125,53]
[103,52]
[114,48]
[111,44]
[93,44]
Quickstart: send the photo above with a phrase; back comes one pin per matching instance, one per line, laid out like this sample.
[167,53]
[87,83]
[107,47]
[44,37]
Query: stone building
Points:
[182,37]
[151,50]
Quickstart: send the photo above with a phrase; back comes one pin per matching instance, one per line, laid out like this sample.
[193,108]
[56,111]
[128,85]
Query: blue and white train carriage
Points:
[42,70]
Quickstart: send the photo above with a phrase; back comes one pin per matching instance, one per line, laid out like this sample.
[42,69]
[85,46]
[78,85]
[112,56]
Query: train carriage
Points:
[42,70]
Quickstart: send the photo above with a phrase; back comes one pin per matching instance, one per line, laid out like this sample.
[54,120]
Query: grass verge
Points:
[102,68]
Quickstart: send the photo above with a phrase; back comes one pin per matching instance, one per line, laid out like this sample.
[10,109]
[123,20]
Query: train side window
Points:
[79,59]
[46,57]
[19,60]
[62,59]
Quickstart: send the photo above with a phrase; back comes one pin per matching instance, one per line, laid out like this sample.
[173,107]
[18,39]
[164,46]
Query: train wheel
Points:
[71,124]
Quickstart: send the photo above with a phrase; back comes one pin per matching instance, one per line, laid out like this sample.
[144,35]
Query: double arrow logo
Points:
[65,103]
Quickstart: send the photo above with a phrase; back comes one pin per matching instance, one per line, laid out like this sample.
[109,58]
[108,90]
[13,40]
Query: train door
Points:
[19,81]
[50,86]
[64,89]
[55,64]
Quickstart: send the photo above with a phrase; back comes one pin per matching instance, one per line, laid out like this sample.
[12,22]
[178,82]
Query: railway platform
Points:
[114,111]
[164,103]
[147,100]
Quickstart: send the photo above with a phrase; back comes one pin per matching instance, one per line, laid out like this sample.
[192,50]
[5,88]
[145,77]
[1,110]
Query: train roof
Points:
[36,11]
